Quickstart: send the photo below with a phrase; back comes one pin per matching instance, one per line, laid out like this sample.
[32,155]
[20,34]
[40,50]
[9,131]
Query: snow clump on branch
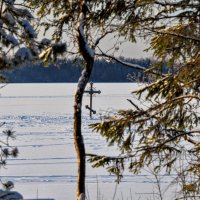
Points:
[28,28]
[24,13]
[45,42]
[11,2]
[8,17]
[23,54]
[8,38]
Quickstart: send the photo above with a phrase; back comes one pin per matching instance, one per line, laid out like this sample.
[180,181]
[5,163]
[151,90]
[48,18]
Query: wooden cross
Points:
[91,91]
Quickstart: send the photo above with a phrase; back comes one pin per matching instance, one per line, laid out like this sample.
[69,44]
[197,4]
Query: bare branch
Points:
[130,65]
[102,36]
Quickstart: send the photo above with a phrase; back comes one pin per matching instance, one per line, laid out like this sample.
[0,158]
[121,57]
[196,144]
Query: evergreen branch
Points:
[161,107]
[133,104]
[186,134]
[149,148]
[179,3]
[191,196]
[175,34]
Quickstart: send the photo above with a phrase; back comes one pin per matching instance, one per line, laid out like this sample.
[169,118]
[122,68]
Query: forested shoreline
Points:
[69,71]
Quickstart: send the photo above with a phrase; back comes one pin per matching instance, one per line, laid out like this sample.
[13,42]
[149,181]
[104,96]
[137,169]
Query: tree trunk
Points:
[78,138]
[88,55]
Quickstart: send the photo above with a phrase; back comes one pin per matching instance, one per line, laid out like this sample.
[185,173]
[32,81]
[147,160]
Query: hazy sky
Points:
[126,48]
[134,50]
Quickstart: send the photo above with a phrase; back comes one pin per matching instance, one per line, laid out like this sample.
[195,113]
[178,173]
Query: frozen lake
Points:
[42,116]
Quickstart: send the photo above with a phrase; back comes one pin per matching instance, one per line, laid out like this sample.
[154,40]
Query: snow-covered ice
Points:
[42,116]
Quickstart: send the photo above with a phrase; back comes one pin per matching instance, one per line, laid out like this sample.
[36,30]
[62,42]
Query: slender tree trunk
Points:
[78,138]
[88,55]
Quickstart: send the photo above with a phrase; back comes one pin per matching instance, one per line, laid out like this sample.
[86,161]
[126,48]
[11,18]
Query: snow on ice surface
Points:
[42,116]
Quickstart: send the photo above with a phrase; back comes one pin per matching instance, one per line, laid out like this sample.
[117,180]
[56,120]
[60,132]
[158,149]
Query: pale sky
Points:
[126,48]
[136,50]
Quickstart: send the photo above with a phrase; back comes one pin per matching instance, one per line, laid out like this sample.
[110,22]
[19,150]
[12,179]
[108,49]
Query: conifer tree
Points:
[17,35]
[167,128]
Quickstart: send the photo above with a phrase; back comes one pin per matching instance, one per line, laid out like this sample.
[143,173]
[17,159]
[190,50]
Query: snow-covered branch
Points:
[176,3]
[84,46]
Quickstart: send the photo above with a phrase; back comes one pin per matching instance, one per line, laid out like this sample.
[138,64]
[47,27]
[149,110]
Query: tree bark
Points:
[88,56]
[78,137]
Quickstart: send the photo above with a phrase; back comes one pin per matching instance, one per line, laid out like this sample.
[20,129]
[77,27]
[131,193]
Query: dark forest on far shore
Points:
[69,71]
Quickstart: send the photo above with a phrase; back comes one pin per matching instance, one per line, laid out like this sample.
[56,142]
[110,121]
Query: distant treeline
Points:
[69,71]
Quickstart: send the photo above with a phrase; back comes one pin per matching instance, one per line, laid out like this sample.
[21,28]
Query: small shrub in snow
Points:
[8,185]
[6,152]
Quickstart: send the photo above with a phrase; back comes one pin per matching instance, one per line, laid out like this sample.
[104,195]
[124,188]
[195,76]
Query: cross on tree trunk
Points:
[91,91]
